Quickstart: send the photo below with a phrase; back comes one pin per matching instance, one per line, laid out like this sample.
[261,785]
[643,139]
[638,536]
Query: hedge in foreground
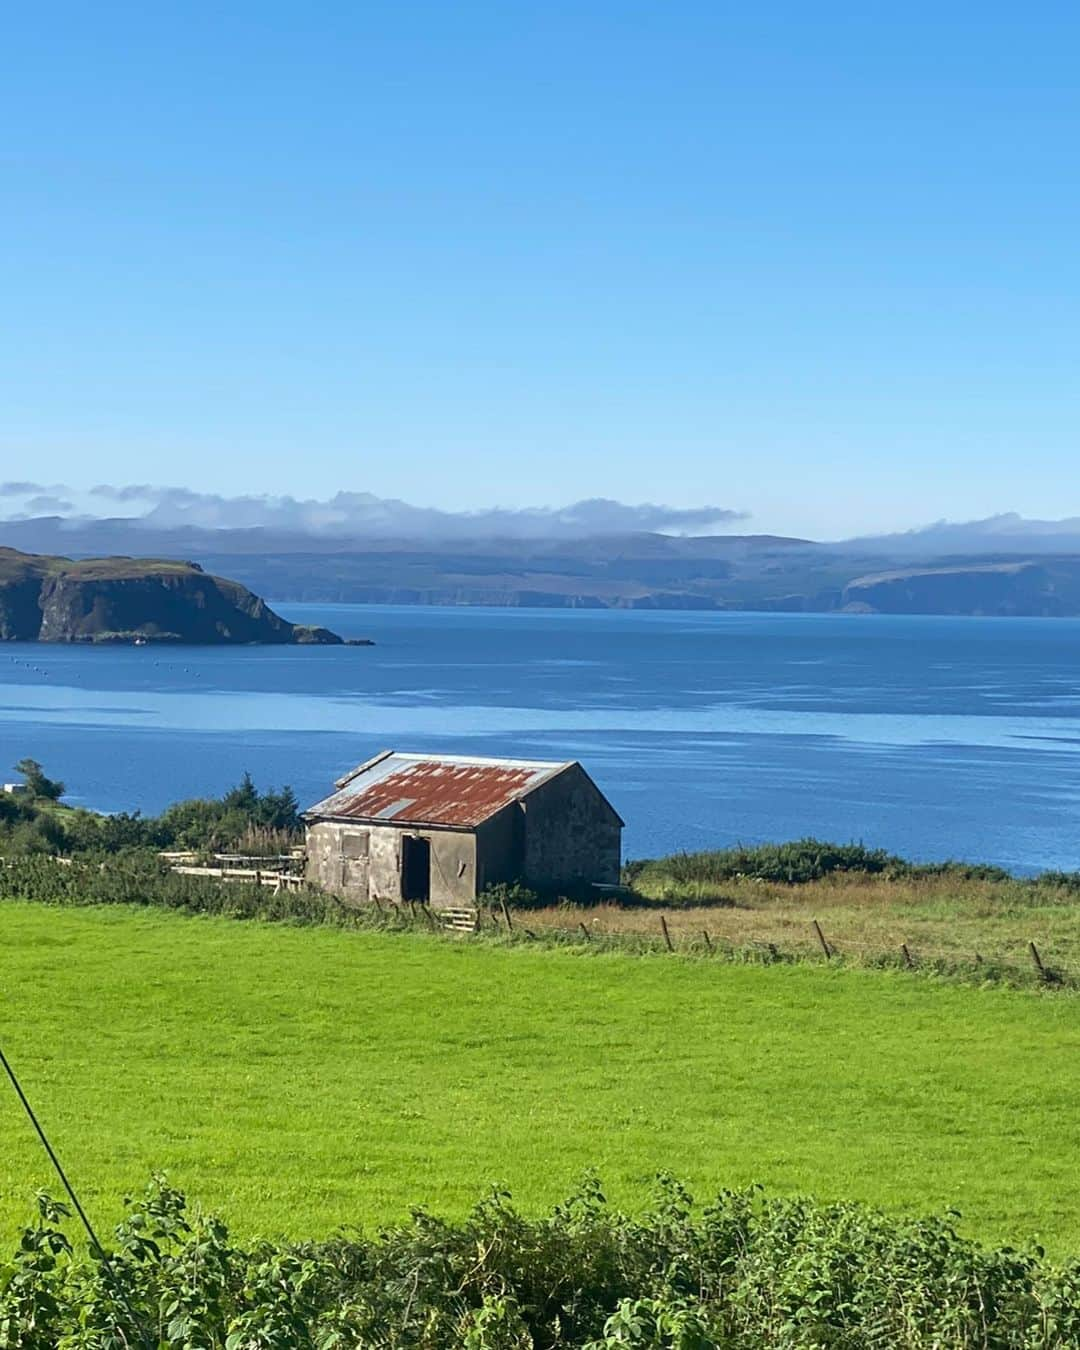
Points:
[745,1272]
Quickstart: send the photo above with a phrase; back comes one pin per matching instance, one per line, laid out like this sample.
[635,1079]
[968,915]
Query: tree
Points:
[279,810]
[244,797]
[37,786]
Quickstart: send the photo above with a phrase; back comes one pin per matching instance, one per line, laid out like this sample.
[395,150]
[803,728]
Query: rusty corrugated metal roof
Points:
[451,790]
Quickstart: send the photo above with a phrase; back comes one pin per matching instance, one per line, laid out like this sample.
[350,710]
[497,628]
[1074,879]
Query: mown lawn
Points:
[298,1078]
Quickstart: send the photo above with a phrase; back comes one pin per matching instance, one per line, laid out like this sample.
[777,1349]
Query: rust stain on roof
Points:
[432,792]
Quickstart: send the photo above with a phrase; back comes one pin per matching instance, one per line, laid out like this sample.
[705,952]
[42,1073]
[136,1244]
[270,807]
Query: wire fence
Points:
[1028,963]
[276,895]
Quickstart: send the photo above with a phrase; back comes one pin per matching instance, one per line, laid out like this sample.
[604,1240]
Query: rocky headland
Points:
[137,600]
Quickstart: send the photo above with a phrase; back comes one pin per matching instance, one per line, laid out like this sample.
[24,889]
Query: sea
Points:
[932,737]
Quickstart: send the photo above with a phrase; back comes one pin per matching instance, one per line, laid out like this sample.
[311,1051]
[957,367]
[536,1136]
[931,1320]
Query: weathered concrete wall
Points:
[572,836]
[384,864]
[338,859]
[500,848]
[362,863]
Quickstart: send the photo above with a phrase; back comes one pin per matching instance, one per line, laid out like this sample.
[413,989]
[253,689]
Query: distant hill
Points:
[646,571]
[912,574]
[714,574]
[54,599]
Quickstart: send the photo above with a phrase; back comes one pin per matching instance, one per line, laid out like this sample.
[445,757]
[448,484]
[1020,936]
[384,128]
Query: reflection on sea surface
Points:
[933,737]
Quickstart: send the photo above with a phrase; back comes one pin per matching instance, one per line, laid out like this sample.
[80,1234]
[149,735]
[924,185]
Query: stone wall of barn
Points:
[572,835]
[500,848]
[362,863]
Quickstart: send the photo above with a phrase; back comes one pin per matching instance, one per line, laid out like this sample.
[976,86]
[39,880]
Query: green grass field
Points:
[297,1079]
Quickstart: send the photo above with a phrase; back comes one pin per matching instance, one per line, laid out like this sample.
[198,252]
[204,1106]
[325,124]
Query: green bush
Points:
[793,863]
[511,894]
[40,834]
[221,823]
[243,819]
[746,1271]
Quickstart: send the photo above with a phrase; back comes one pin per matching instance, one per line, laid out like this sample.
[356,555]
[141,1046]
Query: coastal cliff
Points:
[1047,587]
[53,599]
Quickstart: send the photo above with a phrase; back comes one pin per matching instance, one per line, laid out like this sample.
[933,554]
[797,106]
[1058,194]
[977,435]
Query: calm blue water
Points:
[933,737]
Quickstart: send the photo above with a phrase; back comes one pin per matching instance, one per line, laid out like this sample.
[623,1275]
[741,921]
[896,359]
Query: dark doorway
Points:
[416,869]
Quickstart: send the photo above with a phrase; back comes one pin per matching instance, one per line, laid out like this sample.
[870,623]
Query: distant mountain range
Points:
[1004,565]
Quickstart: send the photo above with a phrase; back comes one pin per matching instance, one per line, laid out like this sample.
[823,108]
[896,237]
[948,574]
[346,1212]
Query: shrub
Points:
[746,1271]
[41,834]
[244,819]
[143,879]
[1062,881]
[800,861]
[794,863]
[511,894]
[213,824]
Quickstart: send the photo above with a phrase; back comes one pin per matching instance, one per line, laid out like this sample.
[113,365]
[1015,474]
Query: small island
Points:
[137,601]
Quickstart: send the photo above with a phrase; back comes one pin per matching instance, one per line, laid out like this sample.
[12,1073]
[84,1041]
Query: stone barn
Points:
[439,829]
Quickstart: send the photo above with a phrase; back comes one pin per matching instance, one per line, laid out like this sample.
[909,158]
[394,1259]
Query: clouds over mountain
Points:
[347,514]
[1007,533]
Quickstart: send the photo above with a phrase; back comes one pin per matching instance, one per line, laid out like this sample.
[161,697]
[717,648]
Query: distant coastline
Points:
[1007,575]
[754,578]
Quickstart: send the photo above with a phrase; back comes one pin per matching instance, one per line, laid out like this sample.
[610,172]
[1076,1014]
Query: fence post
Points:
[708,939]
[588,935]
[1037,959]
[667,935]
[907,956]
[821,938]
[506,915]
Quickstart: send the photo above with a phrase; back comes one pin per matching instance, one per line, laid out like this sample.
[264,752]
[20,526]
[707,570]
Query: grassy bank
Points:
[964,924]
[975,928]
[298,1078]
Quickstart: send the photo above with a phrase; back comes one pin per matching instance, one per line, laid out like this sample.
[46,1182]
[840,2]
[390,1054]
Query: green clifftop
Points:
[52,599]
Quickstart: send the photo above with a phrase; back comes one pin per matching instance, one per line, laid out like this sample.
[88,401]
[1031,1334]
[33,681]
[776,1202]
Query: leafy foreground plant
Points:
[746,1271]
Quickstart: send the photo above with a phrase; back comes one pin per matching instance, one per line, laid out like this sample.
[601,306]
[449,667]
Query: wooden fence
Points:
[278,872]
[254,876]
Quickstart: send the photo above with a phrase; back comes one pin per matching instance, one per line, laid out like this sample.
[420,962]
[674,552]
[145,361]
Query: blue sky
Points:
[817,262]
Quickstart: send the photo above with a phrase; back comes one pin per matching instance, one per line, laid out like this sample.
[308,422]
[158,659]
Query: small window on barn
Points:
[355,844]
